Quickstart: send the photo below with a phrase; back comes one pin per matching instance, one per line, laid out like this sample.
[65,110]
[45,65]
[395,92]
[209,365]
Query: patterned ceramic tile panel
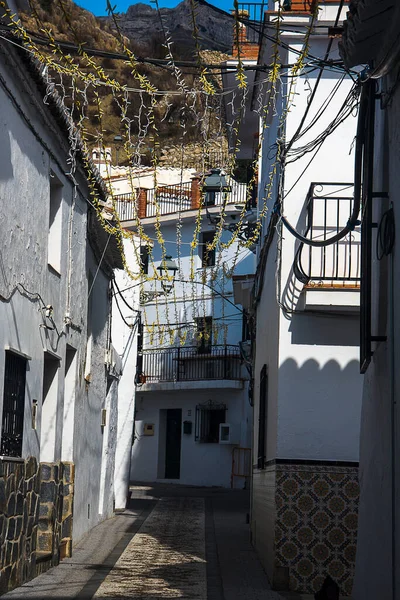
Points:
[316,527]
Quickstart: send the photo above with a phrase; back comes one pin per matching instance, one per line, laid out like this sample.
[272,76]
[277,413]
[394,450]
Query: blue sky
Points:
[98,7]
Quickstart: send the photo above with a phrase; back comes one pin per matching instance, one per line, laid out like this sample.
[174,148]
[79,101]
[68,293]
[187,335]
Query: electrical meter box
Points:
[229,434]
[148,429]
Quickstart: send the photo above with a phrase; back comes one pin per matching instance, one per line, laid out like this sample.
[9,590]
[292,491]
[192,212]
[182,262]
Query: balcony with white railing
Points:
[181,199]
[330,273]
[195,367]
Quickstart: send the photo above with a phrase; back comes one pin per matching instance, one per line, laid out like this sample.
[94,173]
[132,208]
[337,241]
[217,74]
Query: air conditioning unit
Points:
[229,434]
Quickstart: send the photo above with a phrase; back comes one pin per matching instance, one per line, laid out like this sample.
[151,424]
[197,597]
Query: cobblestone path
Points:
[166,558]
[172,542]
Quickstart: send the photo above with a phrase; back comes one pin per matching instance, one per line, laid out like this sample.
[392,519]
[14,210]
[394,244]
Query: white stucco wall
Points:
[208,464]
[202,463]
[193,299]
[236,115]
[33,152]
[125,343]
[379,449]
[89,453]
[319,389]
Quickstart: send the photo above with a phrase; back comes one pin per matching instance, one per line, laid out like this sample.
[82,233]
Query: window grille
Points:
[204,333]
[144,259]
[13,405]
[209,416]
[207,256]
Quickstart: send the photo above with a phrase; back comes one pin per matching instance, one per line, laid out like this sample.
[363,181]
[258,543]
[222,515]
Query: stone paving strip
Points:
[166,558]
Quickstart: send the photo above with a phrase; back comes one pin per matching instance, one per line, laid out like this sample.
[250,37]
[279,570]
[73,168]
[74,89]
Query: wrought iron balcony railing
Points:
[326,211]
[251,17]
[171,199]
[190,363]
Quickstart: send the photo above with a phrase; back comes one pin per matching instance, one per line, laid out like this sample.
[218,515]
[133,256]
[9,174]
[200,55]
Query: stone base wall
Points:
[36,506]
[55,513]
[315,514]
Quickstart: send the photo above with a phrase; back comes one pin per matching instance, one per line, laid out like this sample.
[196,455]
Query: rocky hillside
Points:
[71,23]
[141,23]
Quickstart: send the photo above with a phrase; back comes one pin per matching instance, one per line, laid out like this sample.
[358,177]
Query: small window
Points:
[89,327]
[51,367]
[245,327]
[55,224]
[204,334]
[13,405]
[207,256]
[262,418]
[144,259]
[209,416]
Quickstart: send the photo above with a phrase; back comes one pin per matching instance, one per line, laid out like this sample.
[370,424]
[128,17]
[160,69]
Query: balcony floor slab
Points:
[191,385]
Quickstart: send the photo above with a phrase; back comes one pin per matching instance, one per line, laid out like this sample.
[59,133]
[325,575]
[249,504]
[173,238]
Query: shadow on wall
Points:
[320,410]
[311,372]
[6,167]
[309,328]
[325,330]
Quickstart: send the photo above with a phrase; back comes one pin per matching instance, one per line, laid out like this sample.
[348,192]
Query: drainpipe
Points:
[393,411]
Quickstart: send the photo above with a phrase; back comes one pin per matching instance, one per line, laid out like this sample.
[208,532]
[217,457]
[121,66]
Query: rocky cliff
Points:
[141,22]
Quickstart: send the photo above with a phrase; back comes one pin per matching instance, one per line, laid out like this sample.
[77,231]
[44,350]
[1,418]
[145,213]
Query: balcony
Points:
[330,274]
[180,198]
[251,18]
[189,365]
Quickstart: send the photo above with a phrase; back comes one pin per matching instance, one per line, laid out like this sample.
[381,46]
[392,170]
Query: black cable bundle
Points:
[386,234]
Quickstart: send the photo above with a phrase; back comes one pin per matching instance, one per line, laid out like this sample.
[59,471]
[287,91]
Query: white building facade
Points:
[370,40]
[192,415]
[58,386]
[307,386]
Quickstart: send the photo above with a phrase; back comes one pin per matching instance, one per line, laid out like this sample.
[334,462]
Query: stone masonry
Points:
[36,505]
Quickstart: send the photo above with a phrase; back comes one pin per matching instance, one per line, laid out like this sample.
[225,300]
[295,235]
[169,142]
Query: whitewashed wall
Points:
[319,390]
[373,578]
[201,463]
[32,149]
[208,464]
[189,296]
[125,342]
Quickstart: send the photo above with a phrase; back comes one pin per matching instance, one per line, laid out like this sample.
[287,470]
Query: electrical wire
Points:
[114,283]
[74,49]
[314,91]
[353,220]
[130,325]
[100,263]
[345,111]
[261,34]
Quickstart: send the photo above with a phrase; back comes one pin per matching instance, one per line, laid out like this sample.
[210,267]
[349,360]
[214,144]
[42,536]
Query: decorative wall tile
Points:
[316,524]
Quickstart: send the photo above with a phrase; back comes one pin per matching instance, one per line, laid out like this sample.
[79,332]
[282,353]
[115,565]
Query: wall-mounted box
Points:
[229,434]
[187,427]
[148,429]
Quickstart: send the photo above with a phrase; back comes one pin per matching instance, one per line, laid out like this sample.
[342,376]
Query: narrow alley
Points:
[172,542]
[199,295]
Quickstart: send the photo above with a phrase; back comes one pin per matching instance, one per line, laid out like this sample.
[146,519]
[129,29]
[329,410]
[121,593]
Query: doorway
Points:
[173,443]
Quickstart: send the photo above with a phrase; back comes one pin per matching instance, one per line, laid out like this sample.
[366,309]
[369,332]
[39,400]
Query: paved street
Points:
[172,542]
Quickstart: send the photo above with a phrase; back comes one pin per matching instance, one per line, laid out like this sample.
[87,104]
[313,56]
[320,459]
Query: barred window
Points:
[204,326]
[209,416]
[207,256]
[13,405]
